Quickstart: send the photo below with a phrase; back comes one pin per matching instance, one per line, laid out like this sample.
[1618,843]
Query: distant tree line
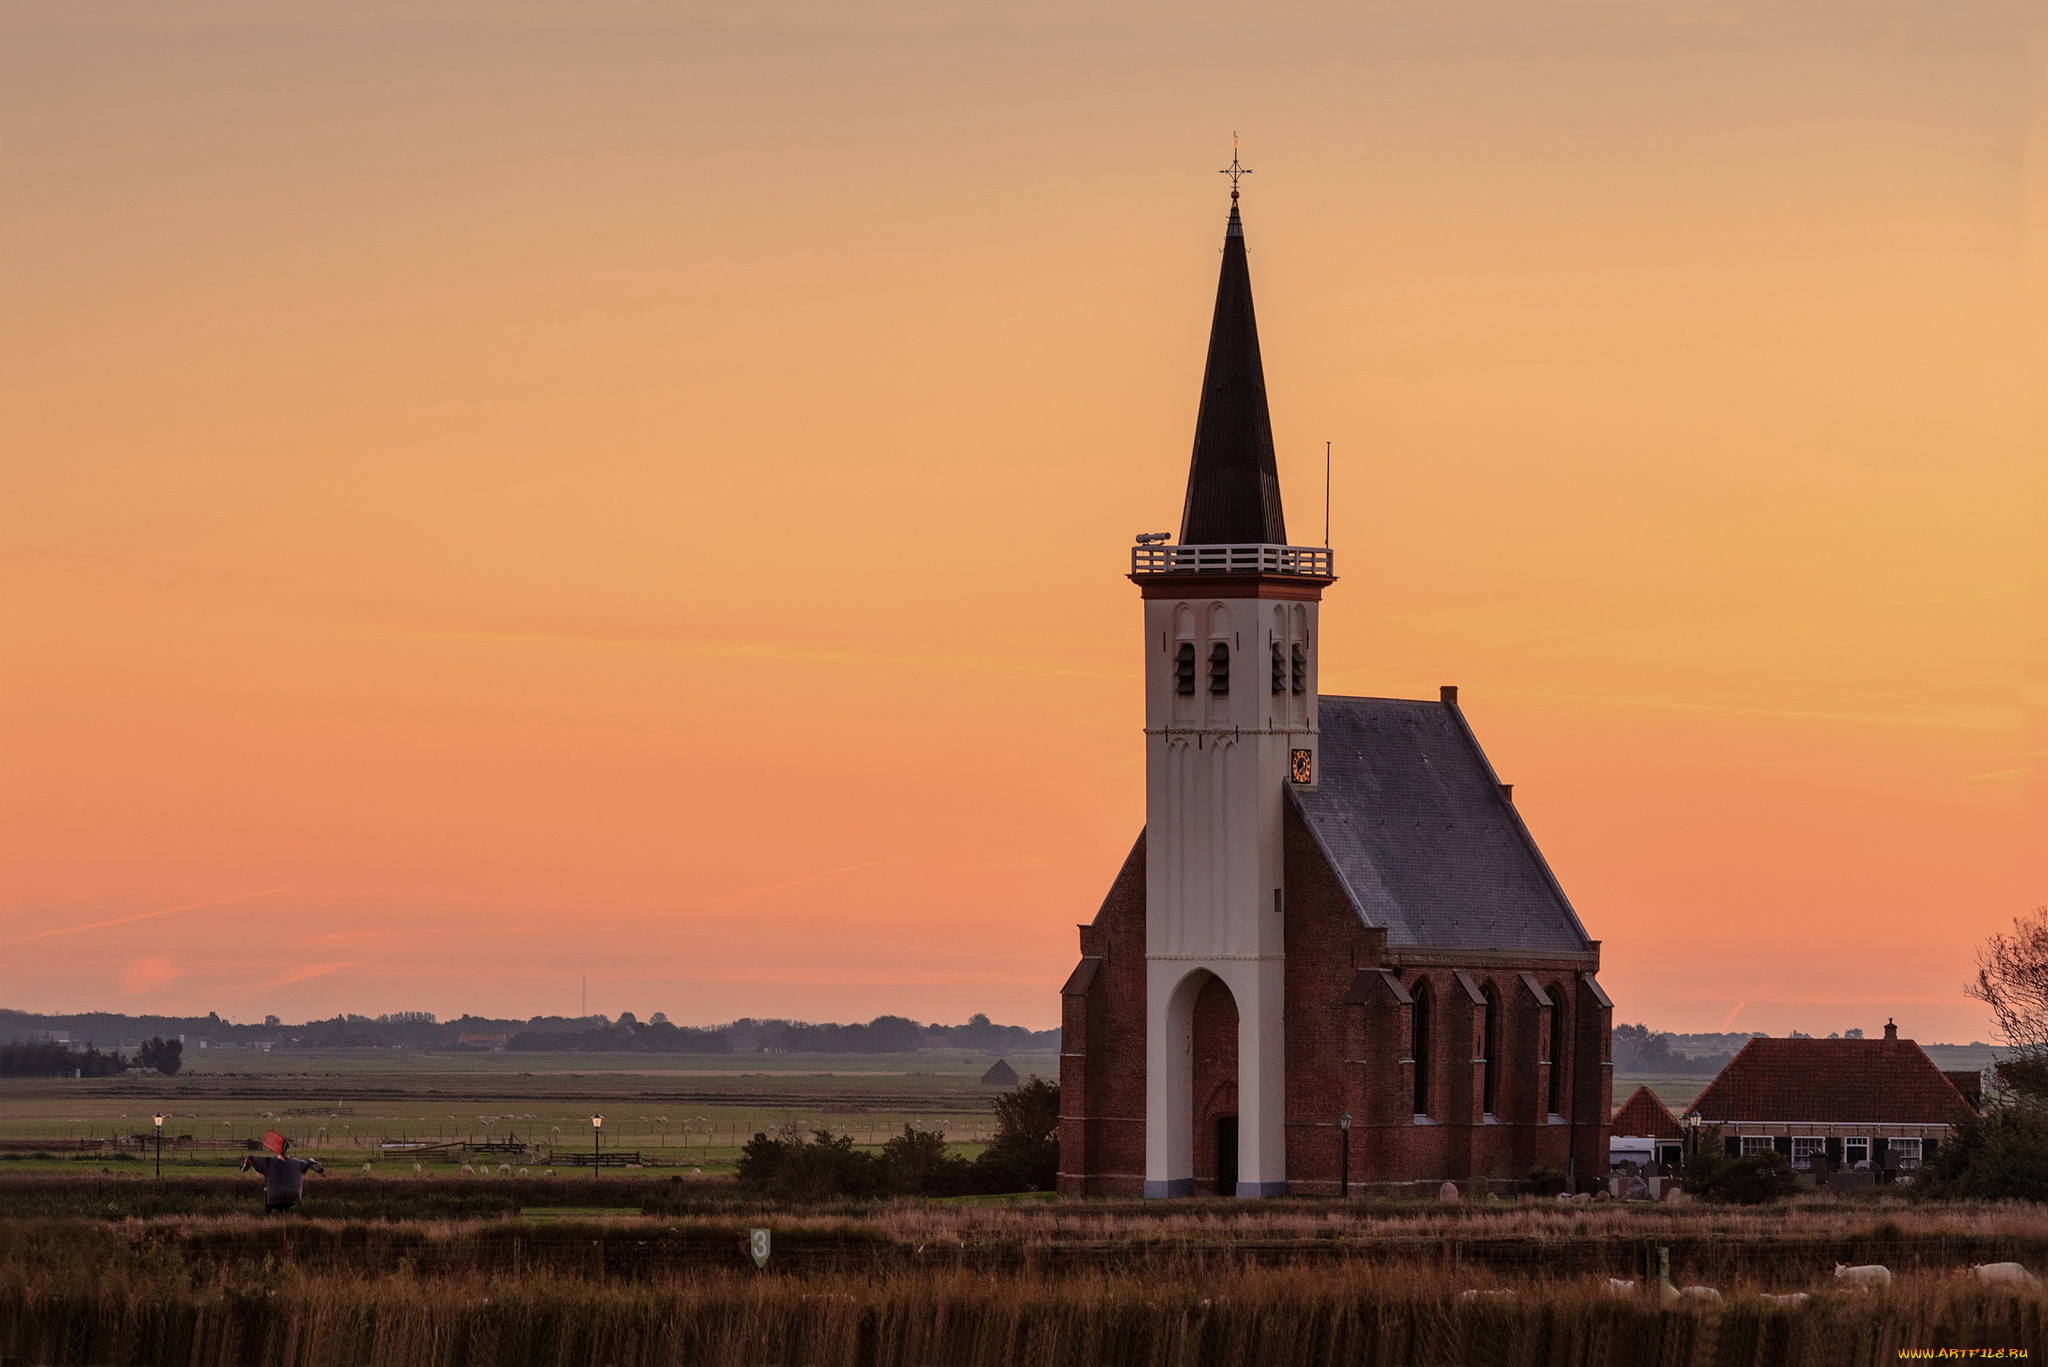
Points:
[419,1030]
[46,1058]
[1024,1155]
[1641,1051]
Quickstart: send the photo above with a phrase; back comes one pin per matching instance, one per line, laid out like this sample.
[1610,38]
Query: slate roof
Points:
[1412,819]
[1644,1116]
[1233,482]
[1831,1081]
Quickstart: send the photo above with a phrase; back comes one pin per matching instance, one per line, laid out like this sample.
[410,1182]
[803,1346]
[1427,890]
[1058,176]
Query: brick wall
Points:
[1349,1018]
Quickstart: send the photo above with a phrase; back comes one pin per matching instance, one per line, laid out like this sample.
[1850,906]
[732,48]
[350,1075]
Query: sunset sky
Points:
[500,492]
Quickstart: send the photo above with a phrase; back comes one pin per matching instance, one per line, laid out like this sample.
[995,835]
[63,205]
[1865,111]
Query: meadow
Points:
[102,1262]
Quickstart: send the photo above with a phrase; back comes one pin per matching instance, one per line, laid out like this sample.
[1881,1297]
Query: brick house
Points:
[1880,1100]
[1334,913]
[1645,1131]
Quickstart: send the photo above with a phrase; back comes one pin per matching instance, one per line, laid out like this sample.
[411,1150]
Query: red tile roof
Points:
[1832,1081]
[1643,1116]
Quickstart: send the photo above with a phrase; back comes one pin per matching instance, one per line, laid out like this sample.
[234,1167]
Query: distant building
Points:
[494,1043]
[1002,1075]
[1880,1101]
[1645,1131]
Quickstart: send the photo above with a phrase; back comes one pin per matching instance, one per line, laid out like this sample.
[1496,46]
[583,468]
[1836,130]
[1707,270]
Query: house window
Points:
[1756,1143]
[1804,1147]
[1855,1149]
[1419,1016]
[1184,670]
[1908,1150]
[1219,669]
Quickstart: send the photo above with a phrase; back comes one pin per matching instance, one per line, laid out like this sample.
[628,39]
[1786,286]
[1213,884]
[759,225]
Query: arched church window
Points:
[1219,669]
[1489,1044]
[1184,670]
[1300,670]
[1419,1018]
[1556,1049]
[1280,670]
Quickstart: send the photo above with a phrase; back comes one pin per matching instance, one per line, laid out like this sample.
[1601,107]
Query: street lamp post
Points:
[1344,1168]
[159,1118]
[596,1127]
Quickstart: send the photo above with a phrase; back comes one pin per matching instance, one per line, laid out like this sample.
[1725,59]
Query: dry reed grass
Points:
[288,1317]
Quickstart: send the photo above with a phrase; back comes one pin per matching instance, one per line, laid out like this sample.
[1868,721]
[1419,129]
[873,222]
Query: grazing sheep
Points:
[366,1169]
[1617,1286]
[2002,1272]
[505,1169]
[1701,1293]
[415,1169]
[1868,1276]
[468,1169]
[1790,1298]
[547,1172]
[1504,1294]
[522,1172]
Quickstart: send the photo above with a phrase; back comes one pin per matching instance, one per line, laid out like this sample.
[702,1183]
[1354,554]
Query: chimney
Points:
[1450,692]
[1891,1032]
[1507,790]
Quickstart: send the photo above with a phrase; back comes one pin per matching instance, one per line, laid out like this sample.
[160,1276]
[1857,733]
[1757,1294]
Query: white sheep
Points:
[469,1169]
[1868,1276]
[2002,1272]
[522,1172]
[1701,1293]
[1617,1286]
[1504,1294]
[415,1169]
[504,1169]
[1789,1298]
[366,1169]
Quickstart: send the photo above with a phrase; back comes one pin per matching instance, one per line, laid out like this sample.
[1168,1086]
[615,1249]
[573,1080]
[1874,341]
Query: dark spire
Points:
[1233,483]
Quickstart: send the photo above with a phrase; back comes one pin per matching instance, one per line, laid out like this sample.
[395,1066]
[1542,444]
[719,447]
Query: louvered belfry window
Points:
[1300,670]
[1279,670]
[1184,670]
[1219,669]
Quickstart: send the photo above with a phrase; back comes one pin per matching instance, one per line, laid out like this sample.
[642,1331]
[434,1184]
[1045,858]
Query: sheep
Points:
[1701,1293]
[1504,1294]
[1790,1298]
[2002,1272]
[1868,1276]
[415,1169]
[522,1172]
[1617,1286]
[366,1169]
[504,1169]
[469,1169]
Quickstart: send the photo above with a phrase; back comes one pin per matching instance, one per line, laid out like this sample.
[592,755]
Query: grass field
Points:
[663,1277]
[101,1262]
[679,1111]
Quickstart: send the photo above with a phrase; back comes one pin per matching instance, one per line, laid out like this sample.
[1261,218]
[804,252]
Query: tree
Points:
[1025,1153]
[2012,980]
[166,1056]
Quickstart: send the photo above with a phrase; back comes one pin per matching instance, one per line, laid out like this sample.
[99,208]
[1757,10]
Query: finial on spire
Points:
[1234,170]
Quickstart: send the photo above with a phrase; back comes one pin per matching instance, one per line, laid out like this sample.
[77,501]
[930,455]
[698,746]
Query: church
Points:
[1335,961]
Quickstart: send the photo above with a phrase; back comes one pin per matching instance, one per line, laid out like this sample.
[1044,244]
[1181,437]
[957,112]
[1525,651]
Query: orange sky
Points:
[515,490]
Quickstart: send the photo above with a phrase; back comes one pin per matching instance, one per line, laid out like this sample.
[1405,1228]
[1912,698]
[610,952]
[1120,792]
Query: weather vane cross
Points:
[1234,170]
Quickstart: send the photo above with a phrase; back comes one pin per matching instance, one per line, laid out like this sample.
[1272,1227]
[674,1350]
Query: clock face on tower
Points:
[1303,768]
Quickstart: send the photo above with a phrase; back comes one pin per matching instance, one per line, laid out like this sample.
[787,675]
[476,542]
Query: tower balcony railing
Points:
[1245,559]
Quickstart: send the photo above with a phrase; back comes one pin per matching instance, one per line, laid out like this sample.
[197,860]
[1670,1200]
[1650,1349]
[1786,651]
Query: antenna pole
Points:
[1326,496]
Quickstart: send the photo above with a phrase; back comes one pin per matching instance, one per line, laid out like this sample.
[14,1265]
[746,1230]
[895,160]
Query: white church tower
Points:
[1230,720]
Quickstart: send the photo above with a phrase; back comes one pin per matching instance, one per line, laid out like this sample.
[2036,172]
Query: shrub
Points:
[1025,1153]
[166,1056]
[2003,1154]
[1753,1179]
